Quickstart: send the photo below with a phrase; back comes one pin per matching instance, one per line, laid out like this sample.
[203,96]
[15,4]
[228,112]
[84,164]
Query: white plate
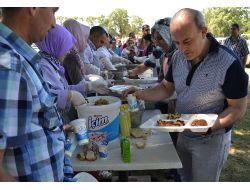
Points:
[142,80]
[85,177]
[187,118]
[119,88]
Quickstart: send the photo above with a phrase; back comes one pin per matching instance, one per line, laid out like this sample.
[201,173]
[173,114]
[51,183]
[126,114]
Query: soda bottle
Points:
[126,154]
[125,121]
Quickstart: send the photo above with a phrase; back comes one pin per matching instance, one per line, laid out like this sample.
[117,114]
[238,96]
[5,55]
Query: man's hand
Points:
[125,61]
[132,73]
[135,91]
[68,128]
[4,176]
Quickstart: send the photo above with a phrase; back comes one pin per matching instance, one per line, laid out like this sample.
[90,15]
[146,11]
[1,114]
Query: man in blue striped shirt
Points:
[31,135]
[237,44]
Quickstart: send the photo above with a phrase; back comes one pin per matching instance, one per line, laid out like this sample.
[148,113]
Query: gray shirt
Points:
[205,87]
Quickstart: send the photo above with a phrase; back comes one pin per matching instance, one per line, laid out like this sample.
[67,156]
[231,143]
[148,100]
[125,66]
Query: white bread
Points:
[90,156]
[140,145]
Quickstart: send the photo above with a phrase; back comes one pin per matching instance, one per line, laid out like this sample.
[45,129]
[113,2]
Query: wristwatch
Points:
[209,131]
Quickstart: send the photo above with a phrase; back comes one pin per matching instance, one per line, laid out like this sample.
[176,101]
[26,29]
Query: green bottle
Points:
[121,141]
[126,154]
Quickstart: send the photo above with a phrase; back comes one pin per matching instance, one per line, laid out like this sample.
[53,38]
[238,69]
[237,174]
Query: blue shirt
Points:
[117,51]
[30,125]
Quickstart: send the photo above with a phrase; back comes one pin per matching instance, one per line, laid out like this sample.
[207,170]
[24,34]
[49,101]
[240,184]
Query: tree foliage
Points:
[136,24]
[92,21]
[117,23]
[219,19]
[61,19]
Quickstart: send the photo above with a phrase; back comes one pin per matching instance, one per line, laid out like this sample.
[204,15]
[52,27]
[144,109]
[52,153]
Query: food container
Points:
[102,118]
[186,118]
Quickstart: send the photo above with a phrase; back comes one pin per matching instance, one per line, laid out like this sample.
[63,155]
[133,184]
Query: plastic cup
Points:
[103,149]
[132,103]
[70,145]
[80,131]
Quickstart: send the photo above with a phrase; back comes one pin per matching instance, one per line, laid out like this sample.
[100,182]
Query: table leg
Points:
[123,176]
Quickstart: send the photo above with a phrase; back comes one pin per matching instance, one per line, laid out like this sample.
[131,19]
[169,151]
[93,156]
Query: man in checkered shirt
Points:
[237,44]
[31,131]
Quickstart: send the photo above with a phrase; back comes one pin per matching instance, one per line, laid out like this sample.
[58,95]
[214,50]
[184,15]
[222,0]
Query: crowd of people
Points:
[41,89]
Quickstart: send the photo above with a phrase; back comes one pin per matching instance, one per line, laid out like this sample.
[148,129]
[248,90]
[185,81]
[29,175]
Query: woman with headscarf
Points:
[54,48]
[73,64]
[162,38]
[161,55]
[81,33]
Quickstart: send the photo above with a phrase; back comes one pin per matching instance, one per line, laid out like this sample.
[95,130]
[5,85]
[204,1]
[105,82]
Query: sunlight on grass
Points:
[237,132]
[234,151]
[237,167]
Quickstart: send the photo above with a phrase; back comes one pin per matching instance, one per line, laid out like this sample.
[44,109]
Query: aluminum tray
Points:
[142,80]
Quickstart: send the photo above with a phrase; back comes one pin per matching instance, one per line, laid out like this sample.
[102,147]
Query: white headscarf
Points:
[162,26]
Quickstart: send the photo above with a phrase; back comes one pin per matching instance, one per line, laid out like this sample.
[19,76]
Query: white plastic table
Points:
[159,153]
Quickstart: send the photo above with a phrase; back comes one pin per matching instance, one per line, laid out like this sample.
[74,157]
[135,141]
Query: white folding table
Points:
[159,153]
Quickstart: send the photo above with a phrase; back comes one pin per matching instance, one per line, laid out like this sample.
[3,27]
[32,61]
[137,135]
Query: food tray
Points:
[120,88]
[187,118]
[141,80]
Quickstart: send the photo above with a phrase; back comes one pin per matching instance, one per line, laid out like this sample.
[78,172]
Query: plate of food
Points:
[180,122]
[140,80]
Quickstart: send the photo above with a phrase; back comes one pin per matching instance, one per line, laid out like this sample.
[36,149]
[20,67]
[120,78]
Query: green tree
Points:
[61,19]
[136,24]
[117,23]
[79,19]
[92,21]
[219,19]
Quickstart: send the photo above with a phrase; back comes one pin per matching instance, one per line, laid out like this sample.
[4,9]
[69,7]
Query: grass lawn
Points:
[237,167]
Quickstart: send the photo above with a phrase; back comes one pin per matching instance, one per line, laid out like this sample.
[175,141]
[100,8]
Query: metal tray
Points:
[120,88]
[142,80]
